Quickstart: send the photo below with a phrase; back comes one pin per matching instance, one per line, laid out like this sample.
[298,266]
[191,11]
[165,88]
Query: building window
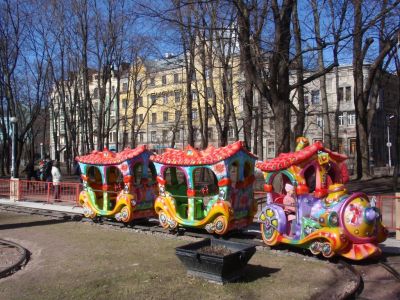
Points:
[351,119]
[341,119]
[153,98]
[210,133]
[125,136]
[165,135]
[177,116]
[140,101]
[340,146]
[96,93]
[165,116]
[194,114]
[209,92]
[194,76]
[177,136]
[152,81]
[113,137]
[207,73]
[340,94]
[176,78]
[315,97]
[165,98]
[271,148]
[153,118]
[96,106]
[231,132]
[141,118]
[141,137]
[306,100]
[125,87]
[352,147]
[194,95]
[348,93]
[272,123]
[164,79]
[153,136]
[320,121]
[177,96]
[124,103]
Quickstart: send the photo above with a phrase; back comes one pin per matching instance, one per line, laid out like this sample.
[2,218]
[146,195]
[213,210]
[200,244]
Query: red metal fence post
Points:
[397,204]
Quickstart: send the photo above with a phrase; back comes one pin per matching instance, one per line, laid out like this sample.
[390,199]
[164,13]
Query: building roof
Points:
[285,160]
[107,157]
[192,157]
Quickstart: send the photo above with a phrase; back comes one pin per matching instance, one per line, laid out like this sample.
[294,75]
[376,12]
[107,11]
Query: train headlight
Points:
[371,214]
[221,195]
[333,219]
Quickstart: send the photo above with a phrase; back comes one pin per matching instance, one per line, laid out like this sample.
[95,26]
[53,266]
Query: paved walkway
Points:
[42,205]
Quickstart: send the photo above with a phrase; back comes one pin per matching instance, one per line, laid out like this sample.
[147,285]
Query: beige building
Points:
[161,110]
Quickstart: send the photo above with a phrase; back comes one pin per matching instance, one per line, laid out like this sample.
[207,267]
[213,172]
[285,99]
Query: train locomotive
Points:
[308,206]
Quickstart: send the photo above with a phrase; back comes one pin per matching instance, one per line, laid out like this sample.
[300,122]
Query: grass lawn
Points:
[73,260]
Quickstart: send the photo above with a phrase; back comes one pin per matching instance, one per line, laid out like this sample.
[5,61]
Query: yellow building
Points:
[161,103]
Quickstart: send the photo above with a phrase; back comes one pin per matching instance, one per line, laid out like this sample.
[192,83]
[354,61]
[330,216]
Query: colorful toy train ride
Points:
[119,185]
[307,204]
[211,189]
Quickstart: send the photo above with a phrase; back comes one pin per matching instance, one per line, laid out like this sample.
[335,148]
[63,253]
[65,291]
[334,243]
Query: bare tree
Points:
[365,105]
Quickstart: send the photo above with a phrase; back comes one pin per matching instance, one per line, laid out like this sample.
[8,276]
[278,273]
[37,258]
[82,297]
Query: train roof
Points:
[192,157]
[285,160]
[107,157]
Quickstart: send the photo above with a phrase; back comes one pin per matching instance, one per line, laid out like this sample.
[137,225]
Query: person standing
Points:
[56,175]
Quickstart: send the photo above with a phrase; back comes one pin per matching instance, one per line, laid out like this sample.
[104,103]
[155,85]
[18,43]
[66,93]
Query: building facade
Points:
[152,109]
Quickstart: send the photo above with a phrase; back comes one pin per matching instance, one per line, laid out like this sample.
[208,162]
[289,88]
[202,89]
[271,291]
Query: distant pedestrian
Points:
[56,175]
[30,174]
[77,170]
[46,171]
[30,171]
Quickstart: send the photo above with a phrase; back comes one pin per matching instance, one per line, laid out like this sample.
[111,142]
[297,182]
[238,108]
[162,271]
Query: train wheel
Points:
[162,217]
[220,225]
[269,227]
[88,212]
[327,250]
[125,214]
[269,235]
[316,247]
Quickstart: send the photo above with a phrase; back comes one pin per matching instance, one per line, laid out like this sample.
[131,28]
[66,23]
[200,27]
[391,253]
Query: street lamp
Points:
[389,144]
[14,121]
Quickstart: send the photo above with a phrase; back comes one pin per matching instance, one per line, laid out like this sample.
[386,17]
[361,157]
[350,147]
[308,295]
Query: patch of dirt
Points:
[215,250]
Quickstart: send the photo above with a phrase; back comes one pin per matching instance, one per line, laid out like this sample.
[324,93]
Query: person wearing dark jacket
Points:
[30,171]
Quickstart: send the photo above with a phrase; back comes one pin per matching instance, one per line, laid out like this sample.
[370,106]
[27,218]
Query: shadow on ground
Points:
[254,272]
[31,224]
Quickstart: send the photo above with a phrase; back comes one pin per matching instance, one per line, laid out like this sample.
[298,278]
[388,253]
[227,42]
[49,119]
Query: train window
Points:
[176,182]
[248,169]
[278,183]
[151,173]
[332,176]
[114,176]
[234,173]
[310,177]
[205,182]
[94,176]
[137,173]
